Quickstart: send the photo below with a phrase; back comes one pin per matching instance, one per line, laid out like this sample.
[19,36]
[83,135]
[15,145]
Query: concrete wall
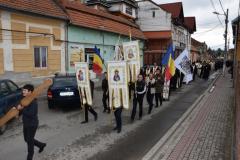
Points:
[106,41]
[237,96]
[18,47]
[181,37]
[146,21]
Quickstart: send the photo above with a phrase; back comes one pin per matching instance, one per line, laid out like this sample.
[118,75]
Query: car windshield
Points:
[66,81]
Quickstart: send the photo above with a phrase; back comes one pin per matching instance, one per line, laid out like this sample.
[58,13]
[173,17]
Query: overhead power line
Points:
[204,32]
[222,6]
[214,8]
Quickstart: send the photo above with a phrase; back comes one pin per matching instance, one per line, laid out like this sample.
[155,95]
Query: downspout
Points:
[66,48]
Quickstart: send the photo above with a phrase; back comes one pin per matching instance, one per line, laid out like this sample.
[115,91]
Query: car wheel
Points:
[3,129]
[50,105]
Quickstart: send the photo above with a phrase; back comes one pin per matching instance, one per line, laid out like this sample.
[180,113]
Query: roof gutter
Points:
[32,13]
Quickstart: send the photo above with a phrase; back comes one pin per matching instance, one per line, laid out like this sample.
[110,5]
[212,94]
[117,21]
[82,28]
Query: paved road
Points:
[141,140]
[68,139]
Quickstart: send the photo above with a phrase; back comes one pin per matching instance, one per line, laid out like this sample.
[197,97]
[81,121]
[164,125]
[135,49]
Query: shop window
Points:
[40,57]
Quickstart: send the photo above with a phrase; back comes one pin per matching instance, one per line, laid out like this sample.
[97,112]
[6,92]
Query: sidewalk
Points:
[204,132]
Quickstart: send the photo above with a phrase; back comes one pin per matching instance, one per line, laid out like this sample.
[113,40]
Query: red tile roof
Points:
[174,8]
[82,15]
[190,23]
[158,34]
[196,43]
[41,7]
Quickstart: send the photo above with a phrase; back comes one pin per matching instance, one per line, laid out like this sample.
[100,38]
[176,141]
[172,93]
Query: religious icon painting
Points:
[132,56]
[83,81]
[131,51]
[118,84]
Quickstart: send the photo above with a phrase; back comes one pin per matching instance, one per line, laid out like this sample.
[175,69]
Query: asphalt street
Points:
[141,140]
[68,139]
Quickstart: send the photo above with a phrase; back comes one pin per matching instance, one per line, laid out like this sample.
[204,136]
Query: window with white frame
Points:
[40,57]
[129,10]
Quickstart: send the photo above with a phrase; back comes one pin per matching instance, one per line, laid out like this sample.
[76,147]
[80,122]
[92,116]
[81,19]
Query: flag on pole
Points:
[130,34]
[183,63]
[97,62]
[168,61]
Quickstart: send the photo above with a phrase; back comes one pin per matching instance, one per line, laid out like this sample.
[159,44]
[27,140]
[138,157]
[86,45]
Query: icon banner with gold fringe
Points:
[118,84]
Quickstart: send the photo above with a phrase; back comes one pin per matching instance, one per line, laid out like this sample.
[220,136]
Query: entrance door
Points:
[89,58]
[89,54]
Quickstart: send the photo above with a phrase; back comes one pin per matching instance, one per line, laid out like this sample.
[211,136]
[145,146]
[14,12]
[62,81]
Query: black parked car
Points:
[10,96]
[63,91]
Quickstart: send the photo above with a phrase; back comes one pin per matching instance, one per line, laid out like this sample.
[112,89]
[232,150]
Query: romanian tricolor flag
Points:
[168,61]
[97,62]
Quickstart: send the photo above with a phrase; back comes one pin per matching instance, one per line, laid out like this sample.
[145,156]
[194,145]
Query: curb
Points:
[159,145]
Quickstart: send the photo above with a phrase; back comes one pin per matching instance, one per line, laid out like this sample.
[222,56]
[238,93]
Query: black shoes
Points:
[118,129]
[96,117]
[83,122]
[132,120]
[42,148]
[106,110]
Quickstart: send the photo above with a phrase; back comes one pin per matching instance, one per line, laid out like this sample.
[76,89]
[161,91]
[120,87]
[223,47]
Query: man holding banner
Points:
[118,90]
[168,62]
[85,86]
[183,63]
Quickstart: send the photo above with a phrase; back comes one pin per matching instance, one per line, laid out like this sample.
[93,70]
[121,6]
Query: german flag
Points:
[97,62]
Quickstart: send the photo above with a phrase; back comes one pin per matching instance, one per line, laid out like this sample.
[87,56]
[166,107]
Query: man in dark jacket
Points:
[30,123]
[194,70]
[105,93]
[139,91]
[150,91]
[159,89]
[89,108]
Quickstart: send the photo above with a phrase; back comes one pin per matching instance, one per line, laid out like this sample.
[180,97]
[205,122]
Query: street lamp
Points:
[218,13]
[225,37]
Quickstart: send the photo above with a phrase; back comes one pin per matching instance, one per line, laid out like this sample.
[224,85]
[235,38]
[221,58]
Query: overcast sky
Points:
[209,28]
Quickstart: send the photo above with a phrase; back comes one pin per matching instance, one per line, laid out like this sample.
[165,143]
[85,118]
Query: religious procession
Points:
[124,86]
[118,80]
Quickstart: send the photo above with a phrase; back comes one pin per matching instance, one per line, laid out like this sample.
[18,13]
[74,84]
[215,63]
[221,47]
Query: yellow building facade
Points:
[31,44]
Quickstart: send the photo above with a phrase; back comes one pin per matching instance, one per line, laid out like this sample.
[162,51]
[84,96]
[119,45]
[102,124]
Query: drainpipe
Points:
[66,48]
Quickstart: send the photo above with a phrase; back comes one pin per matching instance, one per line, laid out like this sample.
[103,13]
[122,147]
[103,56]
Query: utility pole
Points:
[225,37]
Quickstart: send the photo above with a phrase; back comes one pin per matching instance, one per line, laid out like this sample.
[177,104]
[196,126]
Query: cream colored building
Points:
[32,38]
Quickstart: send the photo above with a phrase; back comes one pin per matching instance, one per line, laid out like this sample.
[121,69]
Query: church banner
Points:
[118,84]
[83,81]
[132,56]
